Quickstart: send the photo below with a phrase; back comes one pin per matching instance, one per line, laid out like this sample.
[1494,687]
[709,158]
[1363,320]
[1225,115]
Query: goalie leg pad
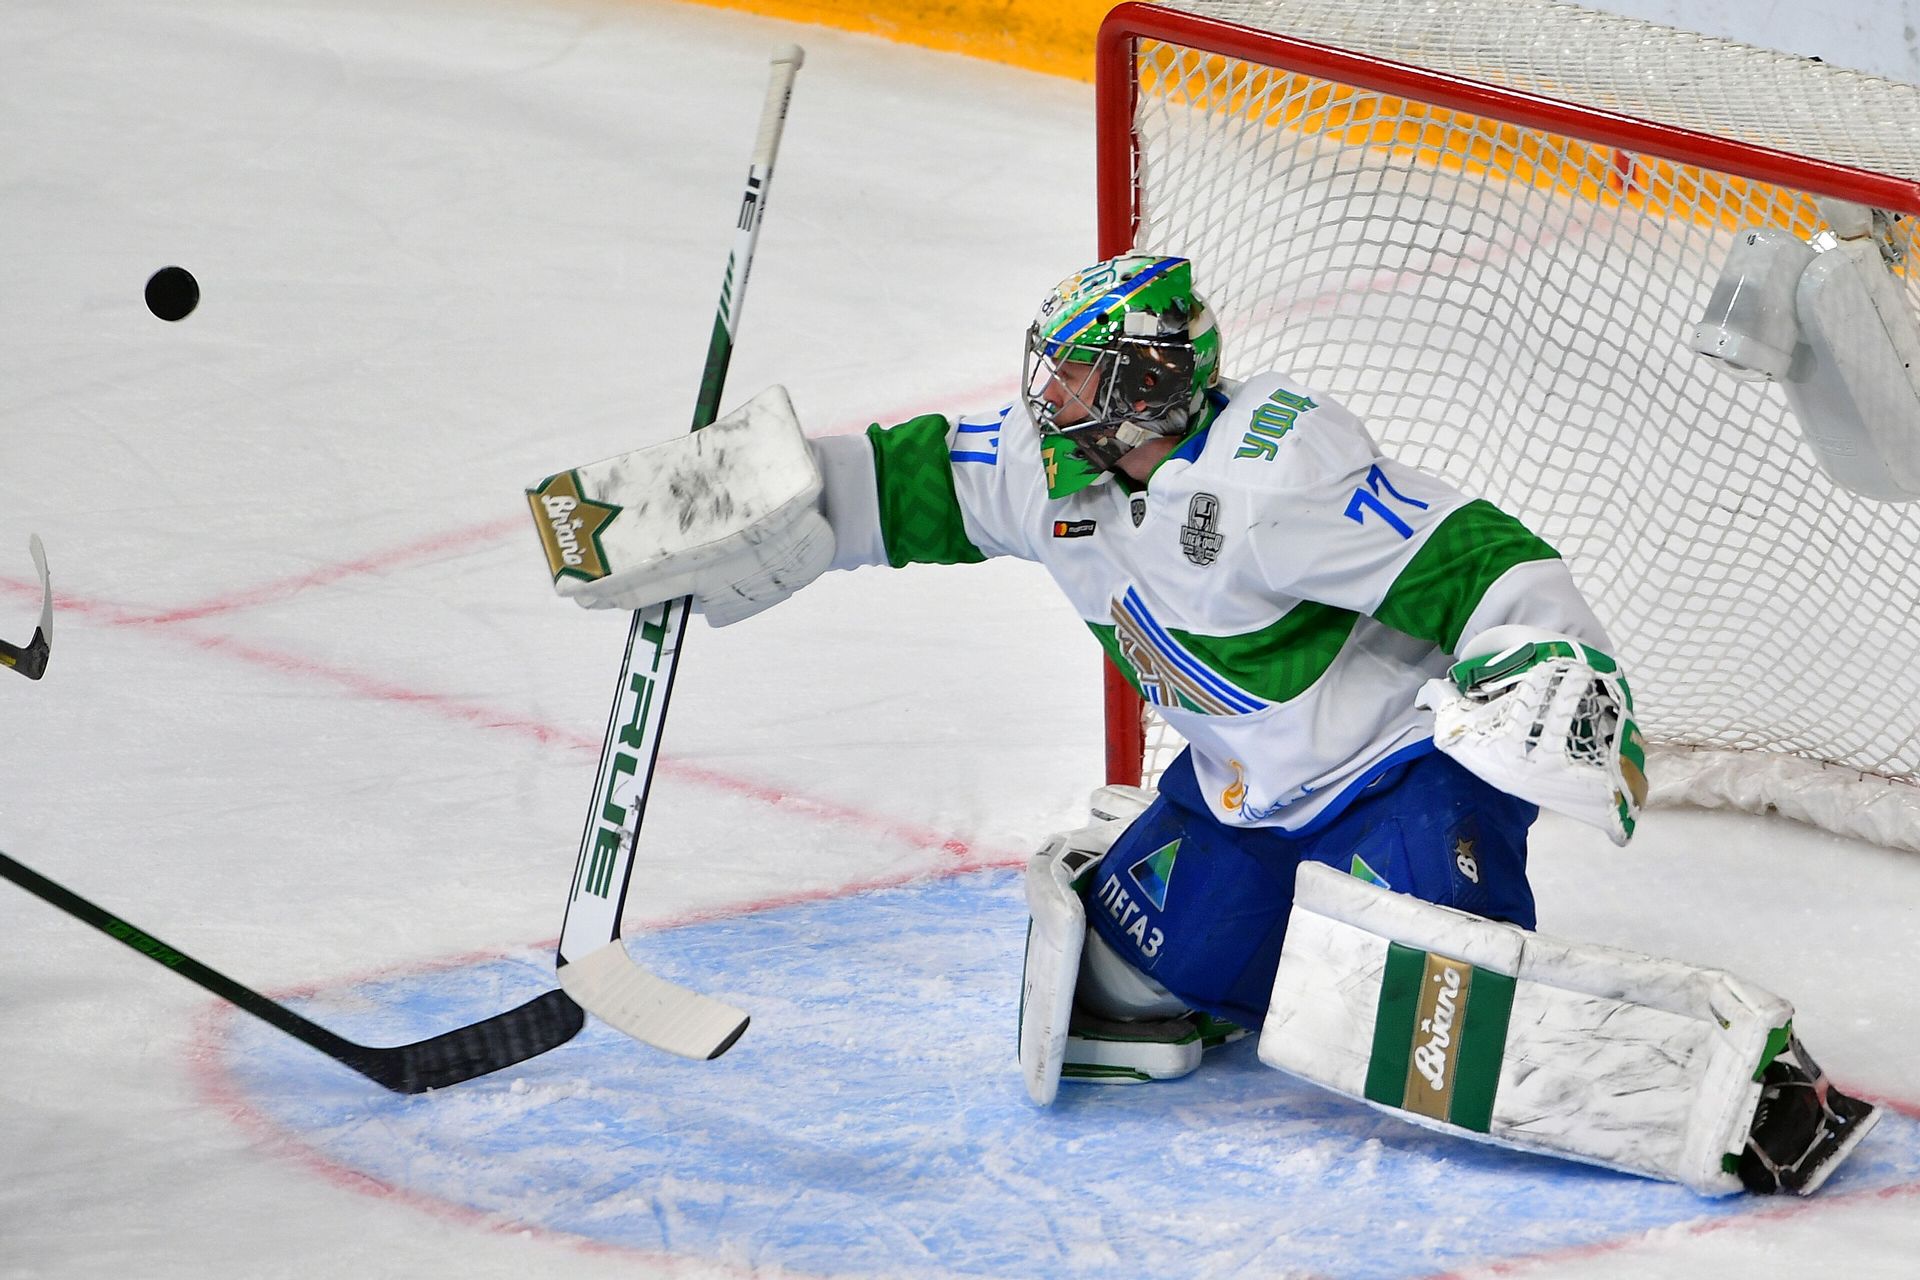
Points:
[1102,1051]
[1056,935]
[1136,1031]
[1128,1029]
[1489,1032]
[1110,987]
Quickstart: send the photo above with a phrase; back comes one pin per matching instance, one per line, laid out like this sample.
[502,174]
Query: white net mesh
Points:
[1509,307]
[1617,64]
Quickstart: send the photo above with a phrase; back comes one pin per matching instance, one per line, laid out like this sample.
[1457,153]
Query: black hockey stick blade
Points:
[542,1023]
[30,659]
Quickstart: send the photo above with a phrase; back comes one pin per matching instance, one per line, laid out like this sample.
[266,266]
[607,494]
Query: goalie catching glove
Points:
[1546,718]
[729,515]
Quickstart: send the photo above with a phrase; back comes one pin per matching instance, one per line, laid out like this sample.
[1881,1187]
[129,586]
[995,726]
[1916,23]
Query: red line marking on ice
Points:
[219,1090]
[216,1084]
[827,810]
[455,541]
[482,716]
[426,549]
[218,1087]
[466,711]
[1794,1207]
[485,717]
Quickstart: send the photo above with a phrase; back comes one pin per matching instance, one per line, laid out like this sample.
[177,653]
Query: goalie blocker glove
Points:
[1546,718]
[729,515]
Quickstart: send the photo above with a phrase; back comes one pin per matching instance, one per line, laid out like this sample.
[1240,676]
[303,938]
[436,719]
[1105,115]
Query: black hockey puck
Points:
[173,293]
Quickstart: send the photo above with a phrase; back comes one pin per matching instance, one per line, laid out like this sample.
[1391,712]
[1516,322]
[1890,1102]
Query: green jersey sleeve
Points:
[1455,566]
[920,515]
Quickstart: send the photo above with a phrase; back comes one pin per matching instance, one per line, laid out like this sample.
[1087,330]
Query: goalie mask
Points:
[1120,354]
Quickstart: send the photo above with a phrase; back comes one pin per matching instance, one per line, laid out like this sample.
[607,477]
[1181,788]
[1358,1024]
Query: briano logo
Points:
[570,527]
[565,531]
[1433,1058]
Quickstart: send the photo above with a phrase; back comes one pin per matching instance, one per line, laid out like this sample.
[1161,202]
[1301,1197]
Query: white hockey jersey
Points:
[1277,590]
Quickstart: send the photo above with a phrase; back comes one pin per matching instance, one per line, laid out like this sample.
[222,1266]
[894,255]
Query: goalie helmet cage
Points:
[1488,227]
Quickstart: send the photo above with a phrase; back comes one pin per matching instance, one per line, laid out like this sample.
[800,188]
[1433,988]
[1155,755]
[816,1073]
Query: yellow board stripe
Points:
[1050,36]
[1056,37]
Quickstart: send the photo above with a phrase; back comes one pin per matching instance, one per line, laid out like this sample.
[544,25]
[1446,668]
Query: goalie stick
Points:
[500,1041]
[592,961]
[30,659]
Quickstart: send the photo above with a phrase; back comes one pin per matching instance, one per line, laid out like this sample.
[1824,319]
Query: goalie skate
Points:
[1108,1051]
[1803,1129]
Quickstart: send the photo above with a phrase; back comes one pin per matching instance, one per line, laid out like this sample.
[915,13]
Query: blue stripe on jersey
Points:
[1189,448]
[1171,649]
[991,454]
[1348,794]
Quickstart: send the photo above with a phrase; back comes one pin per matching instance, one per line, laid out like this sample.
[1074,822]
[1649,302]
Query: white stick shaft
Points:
[753,201]
[627,755]
[624,778]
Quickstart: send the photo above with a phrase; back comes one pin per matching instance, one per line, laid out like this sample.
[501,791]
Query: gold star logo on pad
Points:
[570,527]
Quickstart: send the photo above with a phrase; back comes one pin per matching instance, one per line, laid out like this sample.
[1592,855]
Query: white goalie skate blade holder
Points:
[1488,1032]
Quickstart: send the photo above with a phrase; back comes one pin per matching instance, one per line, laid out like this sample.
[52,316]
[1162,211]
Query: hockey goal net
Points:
[1488,226]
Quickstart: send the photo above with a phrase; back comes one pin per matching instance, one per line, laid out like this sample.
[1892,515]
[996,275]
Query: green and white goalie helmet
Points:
[1121,353]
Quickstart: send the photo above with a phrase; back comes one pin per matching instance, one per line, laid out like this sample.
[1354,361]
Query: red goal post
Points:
[1551,187]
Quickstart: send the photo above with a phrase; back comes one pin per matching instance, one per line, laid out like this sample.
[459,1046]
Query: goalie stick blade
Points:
[645,1006]
[542,1023]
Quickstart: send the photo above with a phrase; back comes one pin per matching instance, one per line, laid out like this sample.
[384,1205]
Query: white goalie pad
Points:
[1056,934]
[1491,1033]
[1834,328]
[1135,1031]
[729,515]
